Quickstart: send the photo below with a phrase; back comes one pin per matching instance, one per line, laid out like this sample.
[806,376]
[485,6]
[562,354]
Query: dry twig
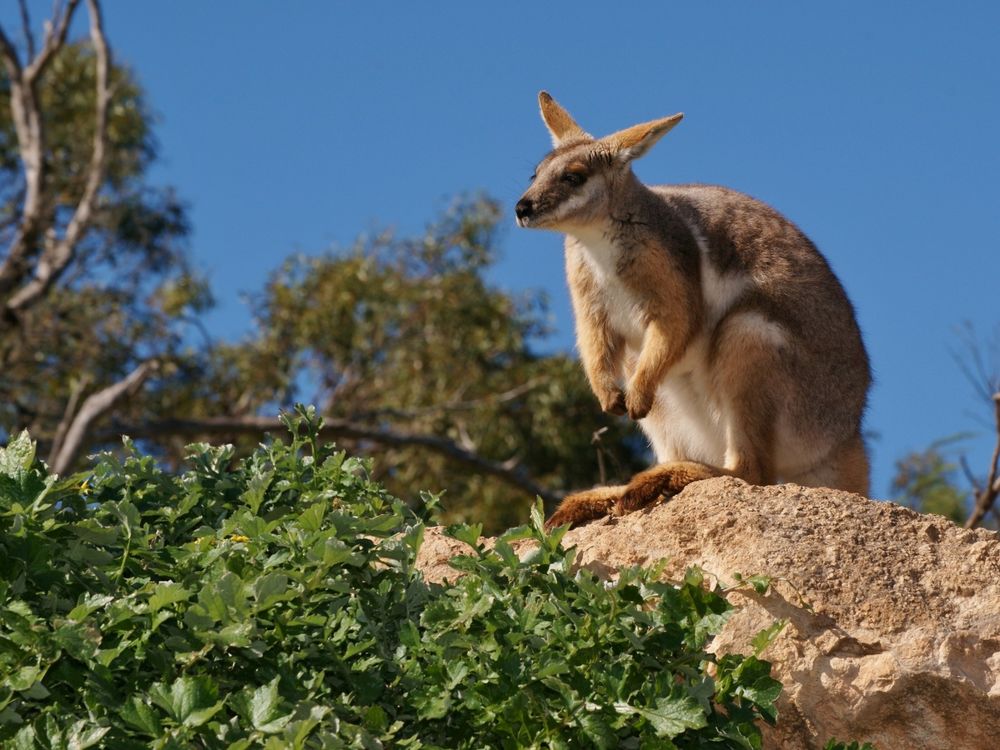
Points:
[990,489]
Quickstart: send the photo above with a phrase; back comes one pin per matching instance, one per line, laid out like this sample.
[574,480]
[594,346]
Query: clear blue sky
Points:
[874,126]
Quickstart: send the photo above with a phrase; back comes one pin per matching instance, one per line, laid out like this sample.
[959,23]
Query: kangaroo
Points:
[706,316]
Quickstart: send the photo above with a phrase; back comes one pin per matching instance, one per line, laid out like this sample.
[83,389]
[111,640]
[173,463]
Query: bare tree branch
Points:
[336,428]
[10,58]
[54,39]
[970,477]
[79,386]
[29,37]
[985,380]
[59,251]
[991,487]
[94,407]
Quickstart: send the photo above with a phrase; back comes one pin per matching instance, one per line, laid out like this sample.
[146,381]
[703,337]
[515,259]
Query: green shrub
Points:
[273,602]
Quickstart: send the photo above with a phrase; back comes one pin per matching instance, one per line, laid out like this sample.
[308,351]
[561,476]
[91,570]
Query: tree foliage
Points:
[928,481]
[129,283]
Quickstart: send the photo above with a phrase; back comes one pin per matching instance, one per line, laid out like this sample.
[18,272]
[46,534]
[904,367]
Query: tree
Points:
[928,480]
[407,350]
[95,277]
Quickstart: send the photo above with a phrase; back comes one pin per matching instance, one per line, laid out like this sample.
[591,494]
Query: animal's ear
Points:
[562,127]
[635,141]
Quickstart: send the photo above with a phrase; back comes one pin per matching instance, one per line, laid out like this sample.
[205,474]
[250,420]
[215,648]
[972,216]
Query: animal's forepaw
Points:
[613,401]
[638,403]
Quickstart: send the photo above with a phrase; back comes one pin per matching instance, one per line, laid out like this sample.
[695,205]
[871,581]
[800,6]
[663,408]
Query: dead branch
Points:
[53,40]
[336,428]
[79,386]
[29,37]
[58,252]
[94,407]
[987,496]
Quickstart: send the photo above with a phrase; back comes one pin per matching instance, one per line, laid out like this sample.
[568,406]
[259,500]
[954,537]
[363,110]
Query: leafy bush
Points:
[274,603]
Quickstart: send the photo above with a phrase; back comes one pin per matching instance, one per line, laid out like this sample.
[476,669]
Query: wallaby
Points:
[705,315]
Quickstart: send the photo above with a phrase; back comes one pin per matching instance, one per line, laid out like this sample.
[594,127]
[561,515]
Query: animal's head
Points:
[571,186]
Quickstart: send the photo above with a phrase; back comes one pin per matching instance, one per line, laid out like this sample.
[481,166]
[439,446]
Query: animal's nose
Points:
[524,208]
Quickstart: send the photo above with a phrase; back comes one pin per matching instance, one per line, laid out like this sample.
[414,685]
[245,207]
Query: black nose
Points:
[524,208]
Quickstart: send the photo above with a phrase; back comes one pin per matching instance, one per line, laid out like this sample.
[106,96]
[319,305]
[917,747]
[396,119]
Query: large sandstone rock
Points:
[901,646]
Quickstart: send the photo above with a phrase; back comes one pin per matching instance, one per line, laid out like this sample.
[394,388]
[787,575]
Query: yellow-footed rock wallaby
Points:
[705,315]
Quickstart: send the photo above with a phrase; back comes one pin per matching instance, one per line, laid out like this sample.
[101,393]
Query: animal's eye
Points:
[532,178]
[573,178]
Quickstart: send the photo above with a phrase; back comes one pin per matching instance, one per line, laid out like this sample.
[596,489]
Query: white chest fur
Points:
[622,305]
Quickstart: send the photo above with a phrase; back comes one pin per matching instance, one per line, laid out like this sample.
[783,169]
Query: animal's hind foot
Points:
[662,481]
[583,507]
[645,489]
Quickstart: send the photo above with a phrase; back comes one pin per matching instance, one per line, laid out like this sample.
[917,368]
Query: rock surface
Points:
[902,645]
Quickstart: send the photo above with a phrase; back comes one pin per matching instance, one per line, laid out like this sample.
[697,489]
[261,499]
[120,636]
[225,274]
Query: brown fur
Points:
[706,315]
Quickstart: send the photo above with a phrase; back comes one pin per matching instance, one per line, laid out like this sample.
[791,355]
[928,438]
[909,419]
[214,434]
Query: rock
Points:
[894,616]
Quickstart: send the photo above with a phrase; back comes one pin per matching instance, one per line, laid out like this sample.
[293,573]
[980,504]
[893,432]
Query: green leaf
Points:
[77,639]
[311,519]
[91,603]
[25,677]
[166,593]
[25,739]
[468,533]
[82,736]
[376,719]
[17,458]
[538,518]
[766,637]
[235,635]
[141,716]
[270,589]
[261,708]
[673,714]
[190,701]
[256,489]
[600,733]
[760,583]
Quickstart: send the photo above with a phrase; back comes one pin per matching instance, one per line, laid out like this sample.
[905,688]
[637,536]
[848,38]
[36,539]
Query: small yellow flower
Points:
[84,487]
[239,538]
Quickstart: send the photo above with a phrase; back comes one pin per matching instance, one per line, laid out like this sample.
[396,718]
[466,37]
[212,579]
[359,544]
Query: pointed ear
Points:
[562,127]
[635,141]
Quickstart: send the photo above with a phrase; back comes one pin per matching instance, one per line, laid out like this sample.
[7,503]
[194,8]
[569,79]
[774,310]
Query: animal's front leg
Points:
[655,359]
[601,353]
[601,348]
